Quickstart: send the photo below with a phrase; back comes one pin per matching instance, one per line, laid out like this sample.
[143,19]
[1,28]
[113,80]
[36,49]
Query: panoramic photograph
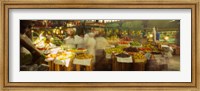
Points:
[100,45]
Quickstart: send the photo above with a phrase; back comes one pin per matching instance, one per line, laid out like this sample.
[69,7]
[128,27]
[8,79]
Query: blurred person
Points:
[70,40]
[167,55]
[90,44]
[101,44]
[86,36]
[79,40]
[168,51]
[152,64]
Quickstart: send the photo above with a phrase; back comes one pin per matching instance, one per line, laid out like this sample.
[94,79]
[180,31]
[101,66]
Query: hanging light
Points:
[60,27]
[61,32]
[54,31]
[151,35]
[166,38]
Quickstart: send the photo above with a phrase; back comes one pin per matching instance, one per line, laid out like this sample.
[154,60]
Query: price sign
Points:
[125,60]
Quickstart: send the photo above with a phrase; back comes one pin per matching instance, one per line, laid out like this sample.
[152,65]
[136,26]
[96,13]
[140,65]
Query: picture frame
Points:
[4,63]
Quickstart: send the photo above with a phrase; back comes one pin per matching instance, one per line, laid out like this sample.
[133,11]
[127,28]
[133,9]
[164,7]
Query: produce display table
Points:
[59,67]
[71,66]
[51,66]
[119,58]
[86,63]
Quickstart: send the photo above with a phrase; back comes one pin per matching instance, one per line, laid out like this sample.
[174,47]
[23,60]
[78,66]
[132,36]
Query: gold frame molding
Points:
[6,5]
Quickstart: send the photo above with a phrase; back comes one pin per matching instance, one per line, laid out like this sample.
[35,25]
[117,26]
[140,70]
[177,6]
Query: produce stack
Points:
[113,40]
[113,51]
[136,44]
[139,61]
[124,43]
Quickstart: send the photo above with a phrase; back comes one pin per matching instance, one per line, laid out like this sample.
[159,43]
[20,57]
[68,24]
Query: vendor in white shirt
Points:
[70,40]
[73,41]
[79,40]
[86,36]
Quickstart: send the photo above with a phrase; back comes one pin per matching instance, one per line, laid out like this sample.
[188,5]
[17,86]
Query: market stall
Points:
[131,45]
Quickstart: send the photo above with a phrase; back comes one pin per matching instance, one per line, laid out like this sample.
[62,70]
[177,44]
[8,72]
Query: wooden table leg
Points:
[123,67]
[66,68]
[53,66]
[69,68]
[62,67]
[50,65]
[78,67]
[113,65]
[57,67]
[89,68]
